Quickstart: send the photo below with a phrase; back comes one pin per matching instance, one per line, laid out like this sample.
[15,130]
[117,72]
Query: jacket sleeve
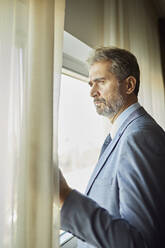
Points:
[140,178]
[86,220]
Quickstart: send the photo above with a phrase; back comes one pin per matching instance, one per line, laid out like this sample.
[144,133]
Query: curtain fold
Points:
[31,59]
[133,25]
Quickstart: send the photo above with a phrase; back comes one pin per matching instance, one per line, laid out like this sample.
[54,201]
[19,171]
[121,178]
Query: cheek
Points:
[113,96]
[111,93]
[107,91]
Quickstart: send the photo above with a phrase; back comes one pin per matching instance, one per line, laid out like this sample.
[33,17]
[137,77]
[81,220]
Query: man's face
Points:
[108,94]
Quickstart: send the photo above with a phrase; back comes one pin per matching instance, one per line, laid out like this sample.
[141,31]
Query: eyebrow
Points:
[96,80]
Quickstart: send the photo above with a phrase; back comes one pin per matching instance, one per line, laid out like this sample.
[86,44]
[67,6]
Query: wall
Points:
[84,20]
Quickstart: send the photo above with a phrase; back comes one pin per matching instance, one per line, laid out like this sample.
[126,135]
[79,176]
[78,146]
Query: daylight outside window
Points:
[81,132]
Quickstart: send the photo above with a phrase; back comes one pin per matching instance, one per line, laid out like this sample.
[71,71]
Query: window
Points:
[81,132]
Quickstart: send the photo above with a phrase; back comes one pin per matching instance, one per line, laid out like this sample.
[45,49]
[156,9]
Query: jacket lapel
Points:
[102,160]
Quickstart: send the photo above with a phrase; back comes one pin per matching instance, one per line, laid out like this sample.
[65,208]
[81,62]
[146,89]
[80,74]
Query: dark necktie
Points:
[106,143]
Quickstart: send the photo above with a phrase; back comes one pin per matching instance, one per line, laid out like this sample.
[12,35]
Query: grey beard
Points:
[112,109]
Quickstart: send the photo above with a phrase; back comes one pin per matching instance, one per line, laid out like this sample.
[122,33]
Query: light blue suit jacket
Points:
[125,202]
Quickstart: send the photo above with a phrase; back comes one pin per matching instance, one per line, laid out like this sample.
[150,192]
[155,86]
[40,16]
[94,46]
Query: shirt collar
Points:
[122,117]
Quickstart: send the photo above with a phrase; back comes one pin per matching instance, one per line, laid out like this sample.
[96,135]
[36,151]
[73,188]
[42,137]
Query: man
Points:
[124,205]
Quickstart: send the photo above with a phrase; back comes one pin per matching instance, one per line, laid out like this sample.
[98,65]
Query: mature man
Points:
[124,205]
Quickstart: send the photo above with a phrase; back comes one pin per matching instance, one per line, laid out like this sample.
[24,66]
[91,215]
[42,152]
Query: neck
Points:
[125,106]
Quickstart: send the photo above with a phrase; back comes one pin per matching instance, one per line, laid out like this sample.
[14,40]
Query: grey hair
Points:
[123,63]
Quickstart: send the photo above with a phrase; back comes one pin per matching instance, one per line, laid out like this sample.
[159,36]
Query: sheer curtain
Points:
[133,25]
[31,38]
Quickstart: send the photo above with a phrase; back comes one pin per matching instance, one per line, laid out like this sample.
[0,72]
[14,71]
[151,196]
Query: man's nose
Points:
[94,91]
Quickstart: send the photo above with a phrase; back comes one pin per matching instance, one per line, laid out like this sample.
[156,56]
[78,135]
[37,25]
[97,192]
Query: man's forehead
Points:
[99,69]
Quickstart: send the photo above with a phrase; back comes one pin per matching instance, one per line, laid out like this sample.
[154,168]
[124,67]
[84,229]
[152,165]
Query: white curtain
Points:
[133,25]
[31,38]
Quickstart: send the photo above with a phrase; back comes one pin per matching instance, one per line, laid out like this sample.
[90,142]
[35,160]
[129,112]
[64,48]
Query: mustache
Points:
[101,100]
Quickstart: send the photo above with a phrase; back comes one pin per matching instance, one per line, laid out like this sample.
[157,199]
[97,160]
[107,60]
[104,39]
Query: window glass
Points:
[81,132]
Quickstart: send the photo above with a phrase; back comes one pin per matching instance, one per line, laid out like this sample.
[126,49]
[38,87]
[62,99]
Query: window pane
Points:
[81,132]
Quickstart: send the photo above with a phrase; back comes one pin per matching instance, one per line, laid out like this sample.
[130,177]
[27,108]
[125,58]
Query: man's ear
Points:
[130,84]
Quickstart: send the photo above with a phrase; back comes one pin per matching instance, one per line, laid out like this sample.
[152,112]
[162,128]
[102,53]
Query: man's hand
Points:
[64,188]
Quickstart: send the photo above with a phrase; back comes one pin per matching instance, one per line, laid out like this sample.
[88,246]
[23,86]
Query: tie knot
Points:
[108,139]
[106,143]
